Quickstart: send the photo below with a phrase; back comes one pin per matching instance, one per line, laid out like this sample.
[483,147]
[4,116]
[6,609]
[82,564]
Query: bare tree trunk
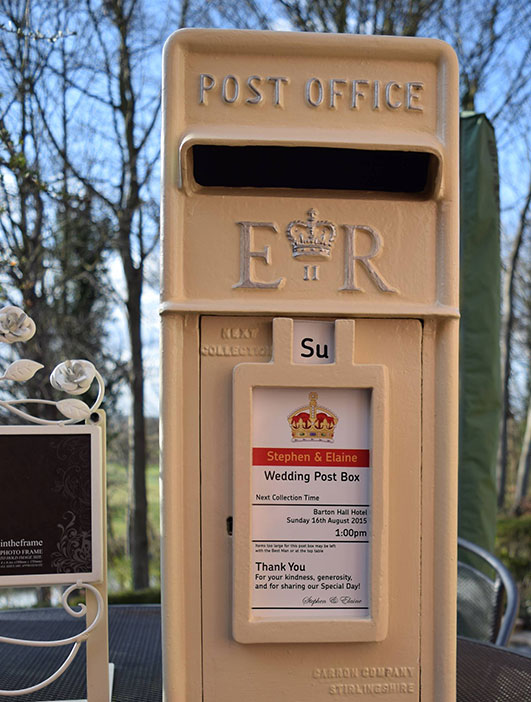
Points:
[131,238]
[524,466]
[507,339]
[138,500]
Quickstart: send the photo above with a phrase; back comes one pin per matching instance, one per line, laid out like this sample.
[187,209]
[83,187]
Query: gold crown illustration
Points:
[312,423]
[311,238]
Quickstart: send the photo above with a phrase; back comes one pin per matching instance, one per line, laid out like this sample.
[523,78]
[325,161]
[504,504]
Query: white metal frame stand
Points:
[73,377]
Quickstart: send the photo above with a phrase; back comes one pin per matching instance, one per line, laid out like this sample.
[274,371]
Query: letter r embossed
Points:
[351,258]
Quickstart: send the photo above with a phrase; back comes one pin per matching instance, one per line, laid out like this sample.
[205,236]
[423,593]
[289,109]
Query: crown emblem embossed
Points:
[313,238]
[312,423]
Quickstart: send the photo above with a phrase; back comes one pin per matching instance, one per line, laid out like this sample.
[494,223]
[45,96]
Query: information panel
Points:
[50,504]
[311,503]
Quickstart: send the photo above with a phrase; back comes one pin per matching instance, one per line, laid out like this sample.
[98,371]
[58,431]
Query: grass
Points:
[119,562]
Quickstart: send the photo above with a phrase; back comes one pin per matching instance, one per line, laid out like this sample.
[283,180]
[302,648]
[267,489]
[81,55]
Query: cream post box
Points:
[309,367]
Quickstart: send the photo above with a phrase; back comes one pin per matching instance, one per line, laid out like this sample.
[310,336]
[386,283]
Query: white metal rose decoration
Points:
[73,377]
[15,325]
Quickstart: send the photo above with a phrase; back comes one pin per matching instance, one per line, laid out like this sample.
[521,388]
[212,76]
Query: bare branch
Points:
[35,34]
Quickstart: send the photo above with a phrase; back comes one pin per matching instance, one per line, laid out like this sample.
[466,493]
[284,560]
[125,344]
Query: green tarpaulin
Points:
[480,381]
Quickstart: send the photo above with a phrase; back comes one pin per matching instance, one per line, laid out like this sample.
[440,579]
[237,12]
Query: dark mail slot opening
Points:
[309,167]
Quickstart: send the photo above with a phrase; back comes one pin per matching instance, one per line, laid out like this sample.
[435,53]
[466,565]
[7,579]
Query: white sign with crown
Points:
[311,503]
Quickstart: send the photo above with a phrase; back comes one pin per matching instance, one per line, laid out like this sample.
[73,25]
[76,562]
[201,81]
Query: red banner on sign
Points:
[293,457]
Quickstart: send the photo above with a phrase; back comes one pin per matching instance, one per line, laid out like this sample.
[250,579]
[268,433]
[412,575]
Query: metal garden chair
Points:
[487,597]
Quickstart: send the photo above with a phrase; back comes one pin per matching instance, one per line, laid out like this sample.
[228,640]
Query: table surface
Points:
[485,673]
